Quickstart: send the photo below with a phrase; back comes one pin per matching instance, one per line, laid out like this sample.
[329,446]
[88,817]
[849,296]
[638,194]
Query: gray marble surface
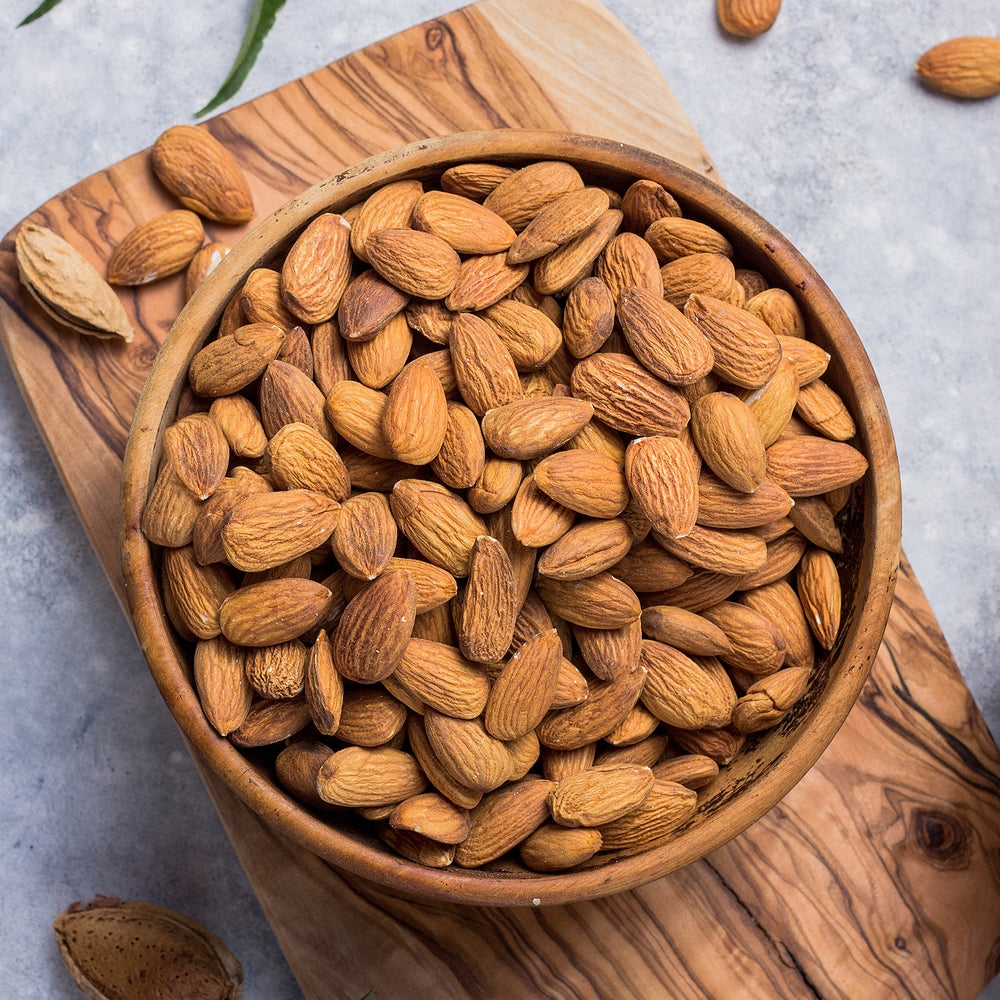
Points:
[891,191]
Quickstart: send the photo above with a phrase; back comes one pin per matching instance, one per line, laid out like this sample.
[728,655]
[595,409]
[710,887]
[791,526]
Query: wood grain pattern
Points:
[875,877]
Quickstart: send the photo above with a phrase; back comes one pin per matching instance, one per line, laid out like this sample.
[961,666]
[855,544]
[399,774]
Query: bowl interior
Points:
[771,763]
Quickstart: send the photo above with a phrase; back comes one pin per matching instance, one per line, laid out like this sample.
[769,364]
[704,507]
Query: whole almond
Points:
[645,201]
[558,271]
[375,627]
[685,692]
[484,370]
[433,816]
[809,465]
[673,237]
[442,526]
[963,67]
[269,529]
[261,300]
[474,180]
[779,310]
[437,774]
[202,173]
[529,335]
[824,410]
[665,808]
[484,620]
[301,458]
[497,484]
[525,687]
[768,700]
[287,395]
[758,645]
[648,407]
[599,795]
[483,280]
[272,611]
[609,652]
[722,506]
[747,18]
[600,601]
[684,630]
[156,248]
[369,776]
[774,402]
[663,480]
[198,452]
[553,848]
[277,671]
[364,539]
[221,682]
[502,820]
[415,416]
[193,593]
[467,752]
[818,584]
[324,686]
[519,197]
[707,273]
[728,437]
[663,338]
[418,263]
[355,412]
[465,225]
[588,548]
[647,568]
[561,221]
[435,586]
[317,269]
[588,317]
[536,519]
[627,261]
[225,366]
[239,421]
[779,603]
[587,482]
[368,303]
[716,549]
[531,428]
[271,721]
[746,351]
[68,286]
[439,677]
[370,717]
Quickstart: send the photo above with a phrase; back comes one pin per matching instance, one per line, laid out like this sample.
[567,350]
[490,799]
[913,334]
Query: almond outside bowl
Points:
[771,763]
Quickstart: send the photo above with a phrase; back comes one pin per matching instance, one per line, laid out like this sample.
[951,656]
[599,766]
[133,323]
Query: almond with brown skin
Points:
[684,691]
[431,815]
[355,412]
[364,539]
[823,410]
[648,407]
[783,554]
[966,67]
[588,317]
[665,808]
[746,351]
[673,237]
[156,248]
[663,480]
[779,603]
[728,437]
[418,263]
[369,776]
[484,280]
[287,395]
[474,180]
[664,340]
[368,303]
[767,701]
[439,677]
[442,526]
[435,586]
[758,646]
[707,273]
[811,360]
[269,529]
[525,687]
[497,484]
[221,682]
[519,197]
[561,221]
[261,301]
[194,594]
[297,767]
[814,519]
[437,775]
[599,601]
[818,584]
[627,261]
[389,207]
[717,549]
[271,721]
[587,482]
[225,366]
[277,671]
[779,310]
[502,820]
[376,362]
[599,795]
[557,272]
[774,402]
[301,458]
[747,18]
[722,506]
[810,465]
[239,421]
[464,224]
[647,568]
[462,456]
[198,451]
[324,686]
[317,269]
[609,652]
[484,619]
[693,770]
[645,201]
[607,703]
[684,630]
[588,548]
[529,335]
[272,611]
[375,627]
[370,717]
[472,757]
[415,415]
[536,519]
[202,173]
[531,428]
[554,848]
[484,370]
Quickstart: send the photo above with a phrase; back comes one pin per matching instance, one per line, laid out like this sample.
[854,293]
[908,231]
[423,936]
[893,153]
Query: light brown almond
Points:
[600,601]
[483,280]
[418,263]
[324,686]
[818,584]
[673,237]
[728,437]
[317,269]
[433,816]
[228,365]
[586,549]
[667,806]
[369,776]
[554,848]
[525,687]
[464,224]
[966,67]
[810,465]
[364,539]
[239,421]
[557,272]
[662,478]
[645,201]
[474,180]
[717,549]
[824,410]
[588,482]
[371,717]
[272,611]
[779,603]
[564,219]
[415,416]
[707,273]
[531,428]
[388,207]
[684,630]
[519,197]
[758,645]
[627,261]
[271,721]
[221,682]
[301,458]
[157,248]
[683,691]
[287,395]
[774,402]
[472,757]
[599,795]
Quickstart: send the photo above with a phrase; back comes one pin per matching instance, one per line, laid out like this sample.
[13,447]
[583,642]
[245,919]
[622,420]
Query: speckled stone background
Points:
[892,192]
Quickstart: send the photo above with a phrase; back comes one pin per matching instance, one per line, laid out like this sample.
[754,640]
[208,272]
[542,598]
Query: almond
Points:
[531,428]
[558,271]
[586,549]
[531,338]
[484,370]
[684,630]
[663,339]
[767,701]
[645,201]
[435,586]
[198,452]
[271,721]
[496,485]
[364,539]
[609,652]
[388,207]
[627,397]
[823,410]
[564,219]
[221,682]
[355,412]
[324,687]
[415,416]
[588,317]
[779,310]
[375,628]
[814,519]
[431,815]
[519,197]
[818,584]
[536,519]
[277,671]
[722,506]
[465,225]
[627,261]
[599,795]
[525,687]
[467,752]
[268,529]
[369,776]
[963,67]
[317,269]
[717,549]
[667,806]
[747,18]
[440,677]
[368,303]
[239,421]
[202,173]
[474,180]
[484,619]
[483,280]
[728,437]
[599,601]
[370,717]
[225,366]
[810,465]
[647,568]
[673,237]
[156,248]
[418,263]
[430,764]
[272,611]
[779,603]
[663,480]
[297,767]
[774,402]
[587,482]
[554,848]
[287,395]
[301,458]
[683,691]
[758,646]
[707,273]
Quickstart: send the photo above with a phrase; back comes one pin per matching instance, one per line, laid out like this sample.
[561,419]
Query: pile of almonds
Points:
[503,509]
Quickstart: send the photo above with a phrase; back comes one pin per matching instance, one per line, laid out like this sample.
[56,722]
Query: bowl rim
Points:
[857,646]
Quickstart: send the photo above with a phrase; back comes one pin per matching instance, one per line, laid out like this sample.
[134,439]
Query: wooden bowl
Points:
[771,763]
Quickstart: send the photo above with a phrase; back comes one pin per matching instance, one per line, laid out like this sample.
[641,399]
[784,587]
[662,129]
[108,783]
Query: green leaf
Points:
[261,21]
[42,8]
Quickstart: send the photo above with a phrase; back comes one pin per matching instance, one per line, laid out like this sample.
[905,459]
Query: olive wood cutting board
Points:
[875,877]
